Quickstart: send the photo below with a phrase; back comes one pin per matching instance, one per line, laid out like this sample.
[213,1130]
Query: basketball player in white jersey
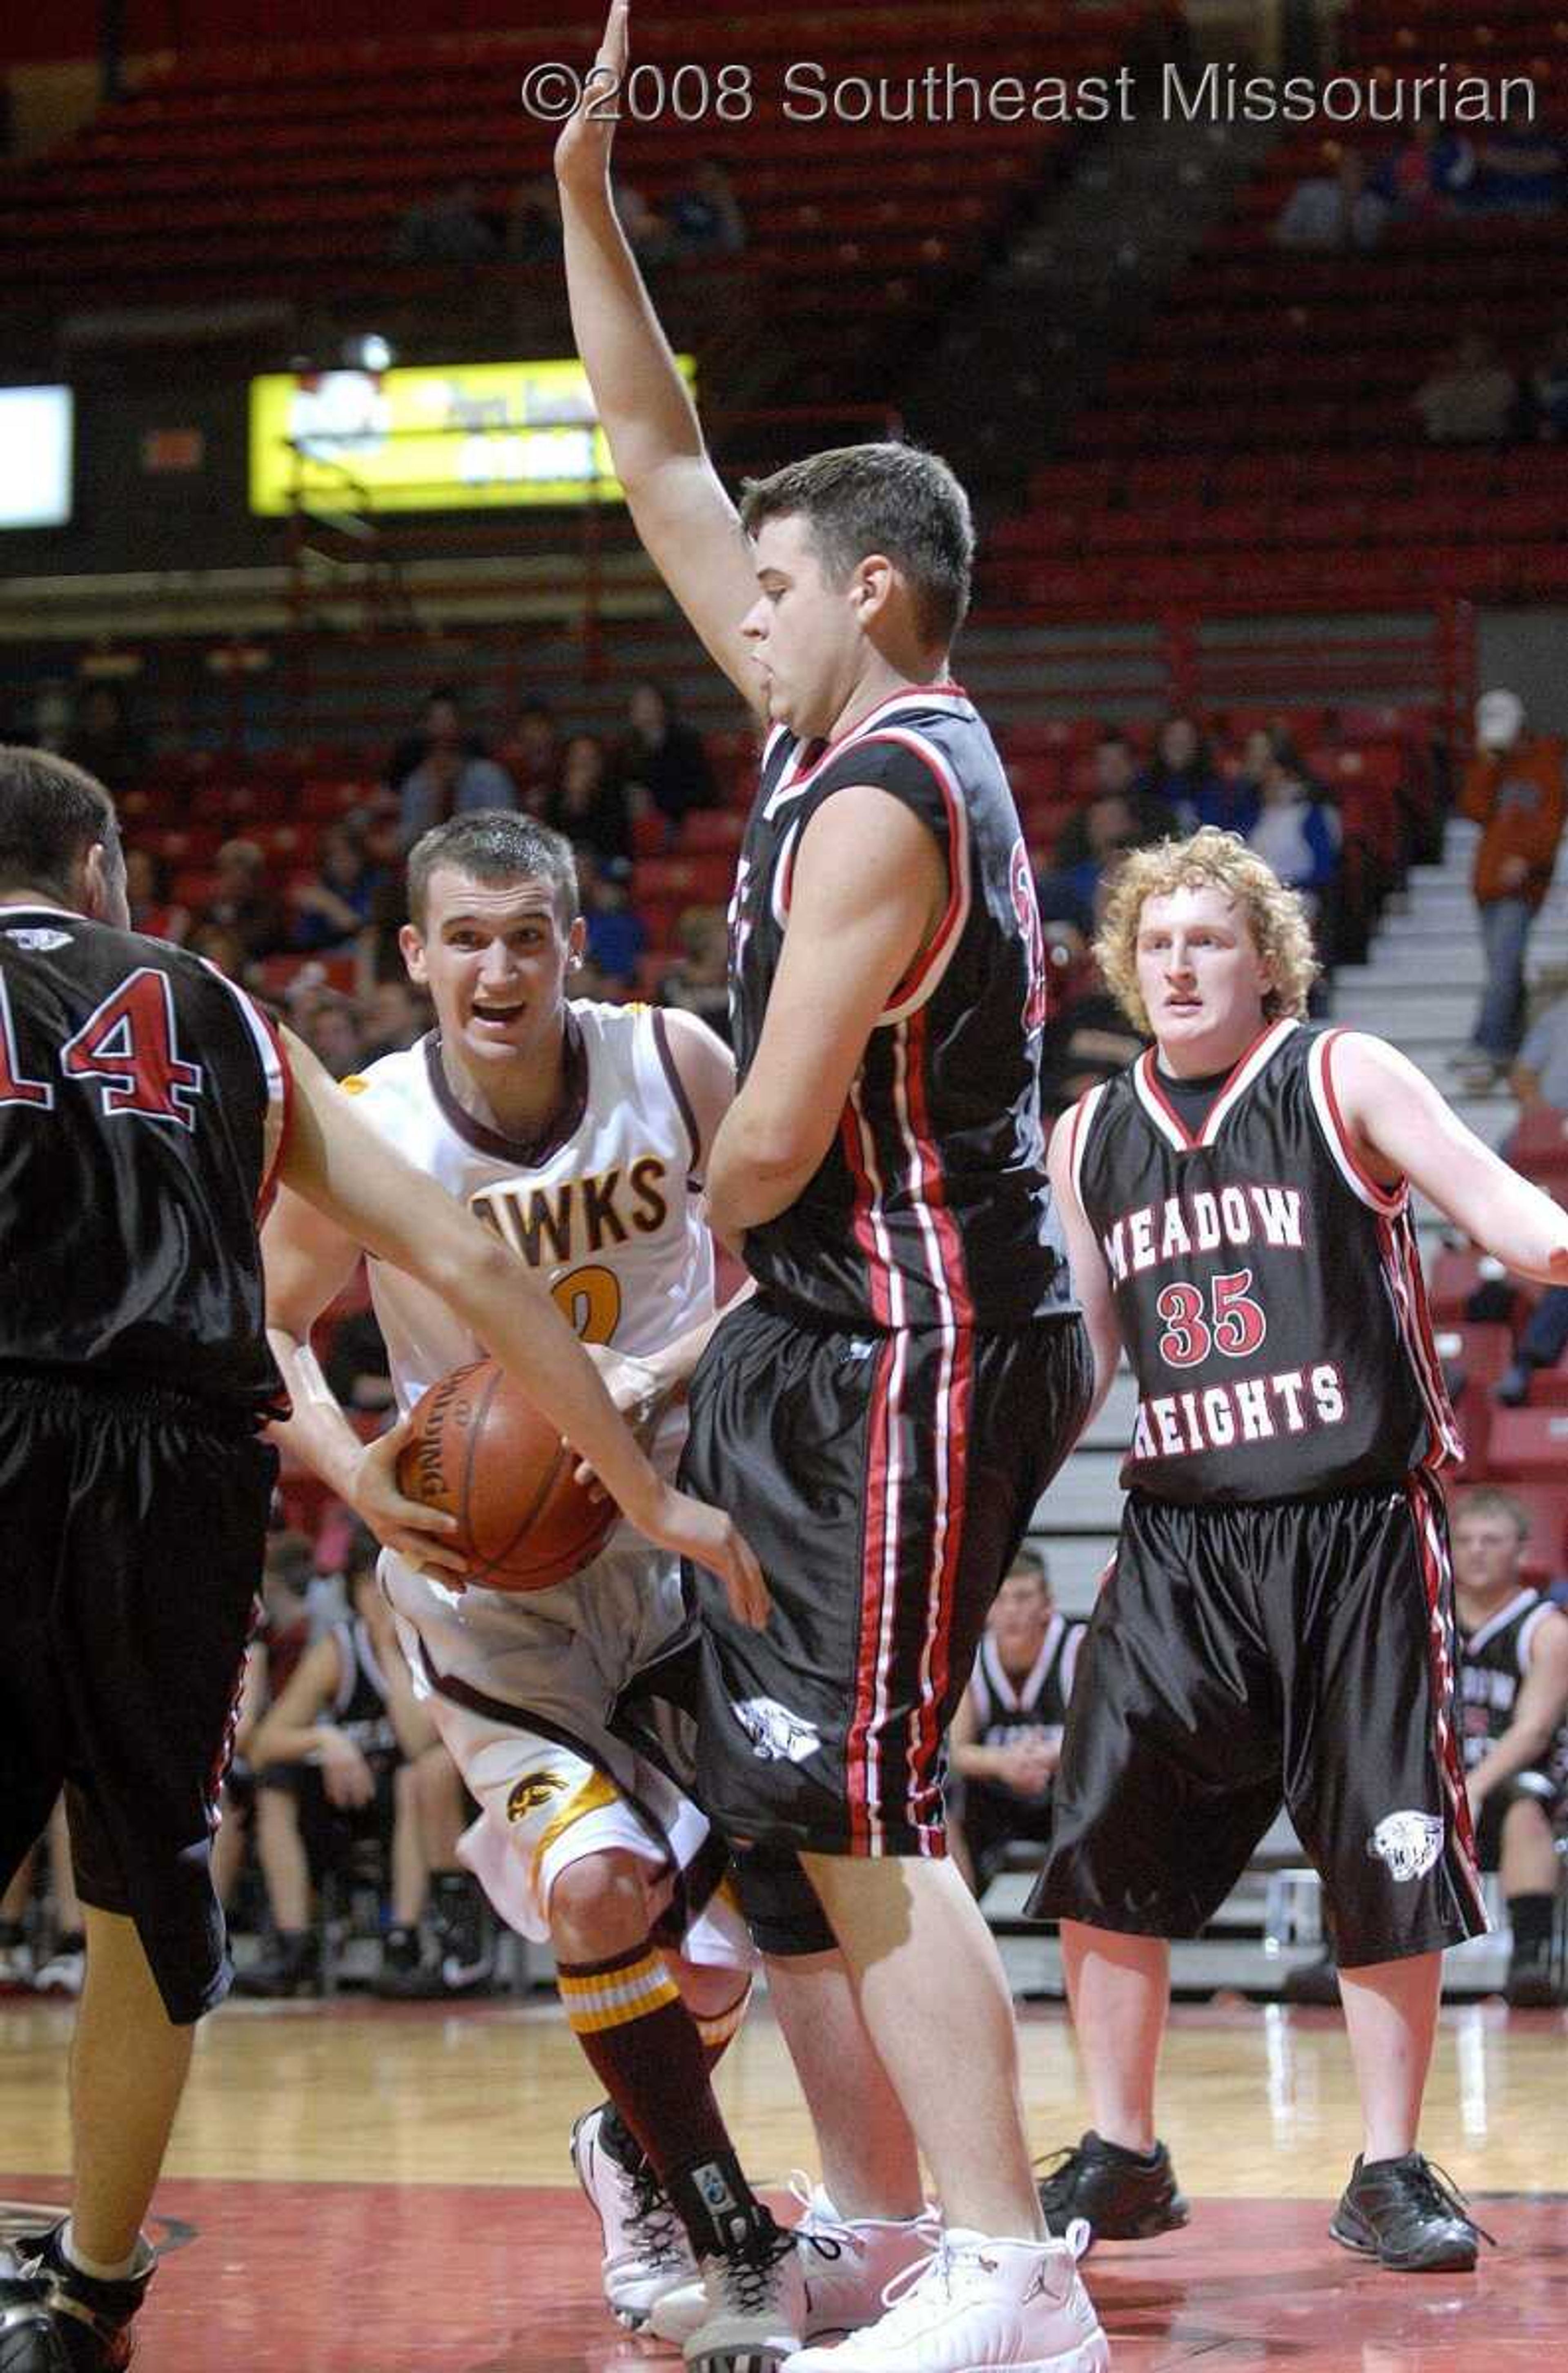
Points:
[579,1131]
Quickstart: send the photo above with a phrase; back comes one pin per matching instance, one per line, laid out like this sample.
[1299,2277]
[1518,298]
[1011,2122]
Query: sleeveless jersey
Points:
[358,1704]
[1494,1662]
[1269,1290]
[1008,1709]
[606,1210]
[932,1207]
[143,1102]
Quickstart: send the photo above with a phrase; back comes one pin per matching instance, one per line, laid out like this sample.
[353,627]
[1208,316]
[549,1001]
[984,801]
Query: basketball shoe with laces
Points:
[646,2254]
[847,2263]
[755,2290]
[1122,2195]
[1406,2213]
[54,2319]
[979,2306]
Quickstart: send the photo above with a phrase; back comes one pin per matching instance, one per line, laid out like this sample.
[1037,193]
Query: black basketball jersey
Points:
[358,1707]
[932,1207]
[1494,1662]
[1006,1710]
[1269,1290]
[141,1107]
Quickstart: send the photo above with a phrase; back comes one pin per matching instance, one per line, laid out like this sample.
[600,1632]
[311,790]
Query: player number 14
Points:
[1229,1322]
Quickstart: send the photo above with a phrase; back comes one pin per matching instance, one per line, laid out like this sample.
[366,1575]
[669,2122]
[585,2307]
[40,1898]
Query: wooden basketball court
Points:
[369,2189]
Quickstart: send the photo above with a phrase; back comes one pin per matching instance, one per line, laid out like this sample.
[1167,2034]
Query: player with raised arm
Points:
[580,1132]
[1279,1624]
[888,1408]
[147,1109]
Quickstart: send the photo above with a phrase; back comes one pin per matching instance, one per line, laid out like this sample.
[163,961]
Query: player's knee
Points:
[1525,1816]
[599,1905]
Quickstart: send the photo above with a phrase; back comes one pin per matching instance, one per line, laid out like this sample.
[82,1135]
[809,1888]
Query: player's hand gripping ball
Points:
[479,1449]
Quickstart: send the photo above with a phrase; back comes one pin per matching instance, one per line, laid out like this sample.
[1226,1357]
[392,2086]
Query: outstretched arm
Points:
[338,1163]
[687,523]
[1402,1128]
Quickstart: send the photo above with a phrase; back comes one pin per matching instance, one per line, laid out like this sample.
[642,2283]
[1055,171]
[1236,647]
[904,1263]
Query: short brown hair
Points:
[1208,859]
[1488,1501]
[51,814]
[494,845]
[891,498]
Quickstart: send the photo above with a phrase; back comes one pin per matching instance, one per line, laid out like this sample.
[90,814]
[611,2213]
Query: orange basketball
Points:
[481,1451]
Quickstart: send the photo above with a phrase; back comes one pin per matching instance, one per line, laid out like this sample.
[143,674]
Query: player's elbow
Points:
[468,1267]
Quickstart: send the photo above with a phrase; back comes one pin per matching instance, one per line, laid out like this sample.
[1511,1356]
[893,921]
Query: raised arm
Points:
[687,523]
[335,1159]
[1401,1128]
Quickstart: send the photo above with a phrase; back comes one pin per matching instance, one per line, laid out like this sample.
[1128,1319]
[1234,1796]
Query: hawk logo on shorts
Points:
[530,1795]
[776,1734]
[40,943]
[1408,1842]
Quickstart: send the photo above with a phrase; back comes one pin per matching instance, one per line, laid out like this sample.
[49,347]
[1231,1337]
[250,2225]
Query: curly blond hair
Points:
[1276,916]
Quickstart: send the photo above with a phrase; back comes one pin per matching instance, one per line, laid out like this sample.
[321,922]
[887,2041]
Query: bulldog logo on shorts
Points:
[1408,1842]
[776,1734]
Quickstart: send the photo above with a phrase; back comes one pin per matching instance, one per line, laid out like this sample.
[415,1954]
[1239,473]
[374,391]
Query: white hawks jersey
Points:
[605,1209]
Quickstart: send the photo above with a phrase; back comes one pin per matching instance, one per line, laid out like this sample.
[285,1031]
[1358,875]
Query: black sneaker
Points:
[1404,2212]
[53,2319]
[1122,2194]
[1533,1982]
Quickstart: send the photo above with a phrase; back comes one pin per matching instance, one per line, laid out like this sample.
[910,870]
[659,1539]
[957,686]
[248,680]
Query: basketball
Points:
[481,1451]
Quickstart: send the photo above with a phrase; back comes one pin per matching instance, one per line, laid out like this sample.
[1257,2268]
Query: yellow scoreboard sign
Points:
[442,437]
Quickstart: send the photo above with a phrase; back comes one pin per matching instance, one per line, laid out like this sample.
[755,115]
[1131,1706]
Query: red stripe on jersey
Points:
[1387,1199]
[1401,1263]
[878,1539]
[1435,1574]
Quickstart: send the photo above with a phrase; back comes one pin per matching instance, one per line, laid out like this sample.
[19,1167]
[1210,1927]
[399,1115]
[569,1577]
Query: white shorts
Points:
[536,1678]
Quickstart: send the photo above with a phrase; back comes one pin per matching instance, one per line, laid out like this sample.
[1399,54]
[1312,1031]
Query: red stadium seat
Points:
[1478,1349]
[1529,1445]
[1455,1274]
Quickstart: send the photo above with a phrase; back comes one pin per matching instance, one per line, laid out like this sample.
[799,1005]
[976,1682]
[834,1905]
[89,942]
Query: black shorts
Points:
[329,1832]
[1295,1652]
[994,1819]
[135,1523]
[885,1480]
[1521,1787]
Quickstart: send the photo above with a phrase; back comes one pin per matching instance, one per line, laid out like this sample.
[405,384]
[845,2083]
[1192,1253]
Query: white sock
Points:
[140,2256]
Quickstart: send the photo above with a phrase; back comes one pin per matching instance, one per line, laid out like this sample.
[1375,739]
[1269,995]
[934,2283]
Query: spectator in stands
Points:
[450,780]
[700,982]
[335,906]
[329,1024]
[397,1015]
[243,901]
[1088,1037]
[1104,830]
[1182,774]
[222,947]
[591,806]
[1005,1741]
[1514,789]
[1549,387]
[706,217]
[450,228]
[1296,831]
[440,724]
[347,1752]
[1512,1690]
[1518,165]
[663,761]
[533,755]
[1116,776]
[1472,398]
[617,936]
[102,740]
[152,909]
[1338,211]
[1432,168]
[534,226]
[1539,1074]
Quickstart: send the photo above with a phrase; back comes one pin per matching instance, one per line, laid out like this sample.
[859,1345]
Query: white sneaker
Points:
[980,2306]
[846,2261]
[62,1973]
[756,2306]
[646,2250]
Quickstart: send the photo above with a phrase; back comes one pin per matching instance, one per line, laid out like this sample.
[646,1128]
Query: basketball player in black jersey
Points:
[1514,1728]
[912,1369]
[1277,1625]
[1006,1737]
[146,1109]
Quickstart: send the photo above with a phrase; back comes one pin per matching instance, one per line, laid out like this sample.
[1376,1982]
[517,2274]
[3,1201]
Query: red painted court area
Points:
[395,2278]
